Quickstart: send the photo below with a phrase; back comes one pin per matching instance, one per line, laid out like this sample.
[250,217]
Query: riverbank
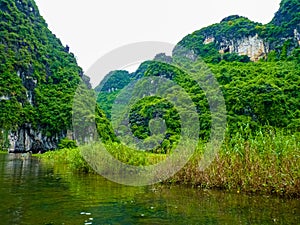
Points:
[266,163]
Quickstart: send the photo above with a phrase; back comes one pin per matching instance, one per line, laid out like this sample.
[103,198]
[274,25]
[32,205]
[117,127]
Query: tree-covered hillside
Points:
[38,79]
[258,95]
[287,17]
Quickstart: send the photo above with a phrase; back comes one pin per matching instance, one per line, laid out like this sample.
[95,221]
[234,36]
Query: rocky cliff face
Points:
[27,138]
[252,46]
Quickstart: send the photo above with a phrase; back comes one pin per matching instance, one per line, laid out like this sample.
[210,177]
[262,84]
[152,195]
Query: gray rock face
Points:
[27,139]
[297,36]
[252,46]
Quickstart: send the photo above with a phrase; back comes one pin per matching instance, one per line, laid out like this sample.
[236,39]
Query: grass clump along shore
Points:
[264,162]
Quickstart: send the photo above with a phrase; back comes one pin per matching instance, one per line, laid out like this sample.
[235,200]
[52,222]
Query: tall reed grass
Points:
[267,161]
[70,157]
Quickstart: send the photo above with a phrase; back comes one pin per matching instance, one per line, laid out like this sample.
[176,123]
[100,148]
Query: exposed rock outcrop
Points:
[297,36]
[28,139]
[208,40]
[253,46]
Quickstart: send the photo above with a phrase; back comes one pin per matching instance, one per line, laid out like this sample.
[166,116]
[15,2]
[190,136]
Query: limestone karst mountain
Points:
[38,79]
[249,40]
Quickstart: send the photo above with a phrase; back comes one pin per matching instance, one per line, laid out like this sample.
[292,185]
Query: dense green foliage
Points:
[146,123]
[38,74]
[287,17]
[89,121]
[256,95]
[280,31]
[149,109]
[261,94]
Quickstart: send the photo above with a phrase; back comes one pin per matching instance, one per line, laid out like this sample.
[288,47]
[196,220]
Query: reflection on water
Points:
[32,193]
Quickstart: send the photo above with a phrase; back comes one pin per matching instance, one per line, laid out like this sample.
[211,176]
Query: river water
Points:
[33,193]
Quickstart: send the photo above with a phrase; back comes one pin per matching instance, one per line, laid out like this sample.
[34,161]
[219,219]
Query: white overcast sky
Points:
[93,28]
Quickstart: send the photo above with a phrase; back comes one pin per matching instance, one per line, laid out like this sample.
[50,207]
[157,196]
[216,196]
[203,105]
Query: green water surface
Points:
[33,193]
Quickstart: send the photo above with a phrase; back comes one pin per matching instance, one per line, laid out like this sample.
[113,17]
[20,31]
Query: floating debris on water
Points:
[85,213]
